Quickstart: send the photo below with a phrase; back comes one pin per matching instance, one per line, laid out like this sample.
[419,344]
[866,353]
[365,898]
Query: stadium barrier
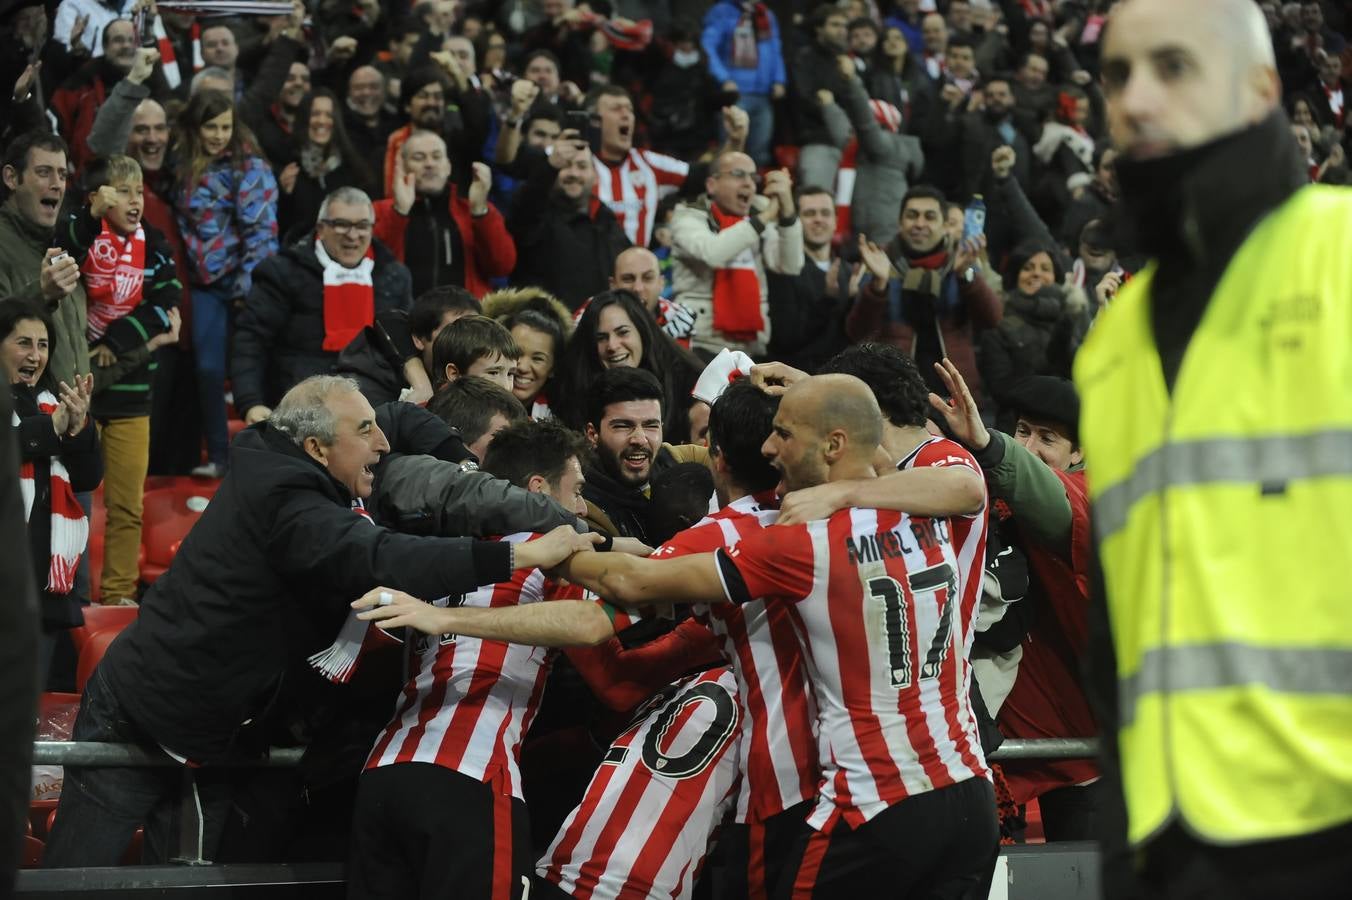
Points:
[75,753]
[1024,872]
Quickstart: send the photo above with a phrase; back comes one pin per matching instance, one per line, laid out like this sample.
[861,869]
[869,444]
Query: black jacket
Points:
[298,211]
[806,326]
[567,251]
[280,334]
[18,660]
[627,509]
[38,443]
[376,357]
[814,68]
[1034,337]
[262,581]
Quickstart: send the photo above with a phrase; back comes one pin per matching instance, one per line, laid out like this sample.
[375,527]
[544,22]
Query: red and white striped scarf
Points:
[338,661]
[114,274]
[70,528]
[349,297]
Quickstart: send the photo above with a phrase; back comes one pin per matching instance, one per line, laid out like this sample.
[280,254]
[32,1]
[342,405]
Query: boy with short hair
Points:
[474,345]
[128,271]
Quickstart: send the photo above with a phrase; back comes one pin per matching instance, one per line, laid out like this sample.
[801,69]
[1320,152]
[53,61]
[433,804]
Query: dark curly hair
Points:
[893,377]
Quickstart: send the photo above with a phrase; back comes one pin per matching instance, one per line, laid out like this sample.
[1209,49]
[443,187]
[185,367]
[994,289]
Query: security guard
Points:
[1217,430]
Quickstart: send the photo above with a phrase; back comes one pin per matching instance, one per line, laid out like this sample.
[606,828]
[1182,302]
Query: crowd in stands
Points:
[501,210]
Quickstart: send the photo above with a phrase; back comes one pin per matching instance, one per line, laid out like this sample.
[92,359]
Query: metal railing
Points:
[73,753]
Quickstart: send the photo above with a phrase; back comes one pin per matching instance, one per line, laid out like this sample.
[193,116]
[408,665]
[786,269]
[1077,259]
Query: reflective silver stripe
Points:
[1271,460]
[1199,667]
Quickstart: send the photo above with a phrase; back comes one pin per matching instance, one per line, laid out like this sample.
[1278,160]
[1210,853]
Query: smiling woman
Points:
[616,331]
[320,159]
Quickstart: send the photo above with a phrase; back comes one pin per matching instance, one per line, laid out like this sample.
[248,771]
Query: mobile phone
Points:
[60,257]
[579,120]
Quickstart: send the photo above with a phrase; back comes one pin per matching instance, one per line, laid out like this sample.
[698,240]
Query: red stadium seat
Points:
[101,618]
[170,512]
[32,852]
[93,651]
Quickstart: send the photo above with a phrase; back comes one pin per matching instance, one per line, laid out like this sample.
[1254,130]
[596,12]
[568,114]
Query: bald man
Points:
[1216,426]
[722,246]
[639,270]
[905,798]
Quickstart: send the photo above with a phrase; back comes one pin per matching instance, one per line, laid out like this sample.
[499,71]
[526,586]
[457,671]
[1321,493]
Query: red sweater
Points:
[489,251]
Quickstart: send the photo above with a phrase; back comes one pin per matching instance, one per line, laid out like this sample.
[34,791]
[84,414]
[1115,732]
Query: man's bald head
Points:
[1177,75]
[638,269]
[825,424]
[840,404]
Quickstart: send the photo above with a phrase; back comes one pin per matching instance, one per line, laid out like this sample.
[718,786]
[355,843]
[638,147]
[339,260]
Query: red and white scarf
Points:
[349,298]
[338,661]
[114,273]
[168,61]
[70,528]
[737,289]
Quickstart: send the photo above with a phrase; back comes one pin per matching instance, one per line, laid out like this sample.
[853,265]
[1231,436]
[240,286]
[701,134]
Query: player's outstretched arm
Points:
[558,623]
[927,491]
[634,581]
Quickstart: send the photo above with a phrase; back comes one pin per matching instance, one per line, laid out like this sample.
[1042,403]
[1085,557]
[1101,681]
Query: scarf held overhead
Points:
[70,528]
[349,298]
[737,289]
[114,273]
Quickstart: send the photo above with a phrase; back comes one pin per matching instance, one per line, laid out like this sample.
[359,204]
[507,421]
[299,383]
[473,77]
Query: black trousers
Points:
[1177,866]
[422,830]
[938,845]
[757,853]
[1072,813]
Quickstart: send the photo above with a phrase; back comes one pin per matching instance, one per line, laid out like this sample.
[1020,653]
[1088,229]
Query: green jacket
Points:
[24,245]
[1033,492]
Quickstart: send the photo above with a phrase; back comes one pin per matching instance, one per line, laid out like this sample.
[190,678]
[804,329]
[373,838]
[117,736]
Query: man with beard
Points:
[76,102]
[1214,421]
[567,239]
[997,124]
[444,238]
[807,310]
[368,124]
[624,429]
[434,99]
[924,294]
[905,797]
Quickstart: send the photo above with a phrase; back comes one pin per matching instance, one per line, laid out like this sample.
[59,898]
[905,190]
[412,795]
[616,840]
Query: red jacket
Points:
[1048,699]
[488,249]
[75,104]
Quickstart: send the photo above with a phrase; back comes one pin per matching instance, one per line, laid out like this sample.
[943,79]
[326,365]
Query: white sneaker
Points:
[209,470]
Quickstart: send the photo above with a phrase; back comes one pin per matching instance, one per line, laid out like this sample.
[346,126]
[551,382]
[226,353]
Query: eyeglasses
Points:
[343,226]
[740,175]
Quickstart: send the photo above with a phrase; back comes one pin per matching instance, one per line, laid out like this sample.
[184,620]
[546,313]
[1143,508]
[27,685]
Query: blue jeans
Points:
[101,807]
[760,110]
[210,330]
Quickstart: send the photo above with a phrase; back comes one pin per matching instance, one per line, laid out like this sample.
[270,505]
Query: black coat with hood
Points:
[262,581]
[280,333]
[1036,336]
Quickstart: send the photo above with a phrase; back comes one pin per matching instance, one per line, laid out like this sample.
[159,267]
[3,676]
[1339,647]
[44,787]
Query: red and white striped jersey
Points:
[886,634]
[632,188]
[645,821]
[778,753]
[968,532]
[472,700]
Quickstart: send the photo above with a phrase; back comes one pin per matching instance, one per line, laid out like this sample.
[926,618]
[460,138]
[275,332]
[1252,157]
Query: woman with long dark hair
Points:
[617,330]
[225,200]
[323,160]
[894,76]
[59,452]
